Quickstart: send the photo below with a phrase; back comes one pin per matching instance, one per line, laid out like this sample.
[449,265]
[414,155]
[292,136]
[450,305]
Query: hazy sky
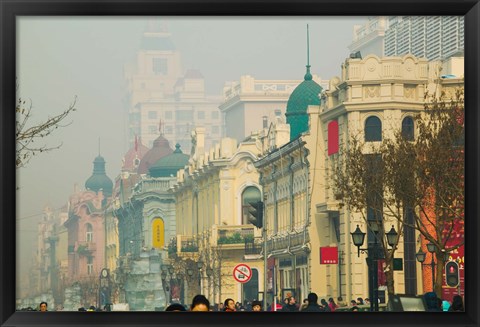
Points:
[60,58]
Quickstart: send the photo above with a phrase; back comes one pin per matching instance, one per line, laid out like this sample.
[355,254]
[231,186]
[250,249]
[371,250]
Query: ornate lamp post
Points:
[373,252]
[421,256]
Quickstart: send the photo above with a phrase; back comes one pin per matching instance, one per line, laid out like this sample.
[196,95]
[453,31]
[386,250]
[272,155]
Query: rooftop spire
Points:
[308,76]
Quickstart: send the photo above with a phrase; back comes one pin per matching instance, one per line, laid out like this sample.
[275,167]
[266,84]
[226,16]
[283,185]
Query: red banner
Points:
[328,255]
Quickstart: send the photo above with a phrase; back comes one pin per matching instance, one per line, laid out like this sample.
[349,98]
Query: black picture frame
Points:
[10,9]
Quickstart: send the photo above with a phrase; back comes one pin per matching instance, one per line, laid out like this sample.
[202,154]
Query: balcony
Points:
[235,237]
[153,185]
[187,243]
[254,246]
[85,248]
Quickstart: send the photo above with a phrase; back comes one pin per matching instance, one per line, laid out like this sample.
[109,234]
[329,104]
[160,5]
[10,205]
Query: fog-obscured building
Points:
[158,89]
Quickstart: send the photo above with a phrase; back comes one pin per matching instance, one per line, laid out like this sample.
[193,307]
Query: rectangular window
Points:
[89,237]
[152,115]
[185,115]
[159,66]
[201,115]
[90,266]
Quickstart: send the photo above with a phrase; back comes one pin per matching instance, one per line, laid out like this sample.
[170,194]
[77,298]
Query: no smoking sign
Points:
[242,273]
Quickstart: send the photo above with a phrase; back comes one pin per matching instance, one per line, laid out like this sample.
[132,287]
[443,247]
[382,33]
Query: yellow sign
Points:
[158,230]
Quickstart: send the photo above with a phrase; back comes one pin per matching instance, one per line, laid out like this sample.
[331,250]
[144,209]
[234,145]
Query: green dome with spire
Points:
[305,94]
[99,179]
[170,164]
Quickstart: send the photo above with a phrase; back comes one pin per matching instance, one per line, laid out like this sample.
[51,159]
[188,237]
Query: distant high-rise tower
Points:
[437,37]
[157,88]
[432,37]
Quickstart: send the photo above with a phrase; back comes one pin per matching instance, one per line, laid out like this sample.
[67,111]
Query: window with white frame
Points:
[89,233]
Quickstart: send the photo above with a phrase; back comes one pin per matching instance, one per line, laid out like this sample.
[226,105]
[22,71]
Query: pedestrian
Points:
[43,306]
[304,305]
[230,305]
[431,301]
[175,307]
[332,305]
[353,303]
[360,301]
[256,306]
[291,306]
[354,309]
[457,304]
[200,303]
[325,306]
[312,303]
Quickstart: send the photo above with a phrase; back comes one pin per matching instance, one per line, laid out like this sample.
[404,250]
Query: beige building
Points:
[250,104]
[212,195]
[374,96]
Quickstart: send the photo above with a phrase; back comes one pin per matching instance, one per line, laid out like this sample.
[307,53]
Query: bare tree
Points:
[29,135]
[417,182]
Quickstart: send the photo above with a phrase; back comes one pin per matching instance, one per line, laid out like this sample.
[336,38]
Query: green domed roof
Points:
[169,165]
[305,94]
[99,179]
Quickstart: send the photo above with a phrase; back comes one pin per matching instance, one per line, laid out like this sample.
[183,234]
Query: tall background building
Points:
[432,37]
[158,90]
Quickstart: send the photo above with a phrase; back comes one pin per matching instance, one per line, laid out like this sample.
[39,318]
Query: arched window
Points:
[88,233]
[407,129]
[373,129]
[251,194]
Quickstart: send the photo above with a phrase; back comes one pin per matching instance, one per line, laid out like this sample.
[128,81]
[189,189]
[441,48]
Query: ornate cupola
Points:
[99,179]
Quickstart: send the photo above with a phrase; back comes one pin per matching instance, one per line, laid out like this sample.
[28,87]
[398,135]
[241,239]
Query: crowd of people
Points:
[310,304]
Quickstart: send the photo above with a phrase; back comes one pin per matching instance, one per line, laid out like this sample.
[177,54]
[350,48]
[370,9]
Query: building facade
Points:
[213,231]
[250,105]
[157,89]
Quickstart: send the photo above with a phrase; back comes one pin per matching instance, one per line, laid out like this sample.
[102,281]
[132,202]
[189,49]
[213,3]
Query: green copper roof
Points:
[305,94]
[170,164]
[99,179]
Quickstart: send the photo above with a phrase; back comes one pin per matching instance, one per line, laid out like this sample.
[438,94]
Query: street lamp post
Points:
[372,251]
[421,256]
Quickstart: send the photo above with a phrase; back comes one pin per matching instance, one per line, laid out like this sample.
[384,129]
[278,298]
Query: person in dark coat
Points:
[325,307]
[291,306]
[457,304]
[312,304]
[431,300]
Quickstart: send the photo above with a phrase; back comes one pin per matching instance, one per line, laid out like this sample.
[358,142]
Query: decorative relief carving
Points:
[371,66]
[371,91]
[409,92]
[226,186]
